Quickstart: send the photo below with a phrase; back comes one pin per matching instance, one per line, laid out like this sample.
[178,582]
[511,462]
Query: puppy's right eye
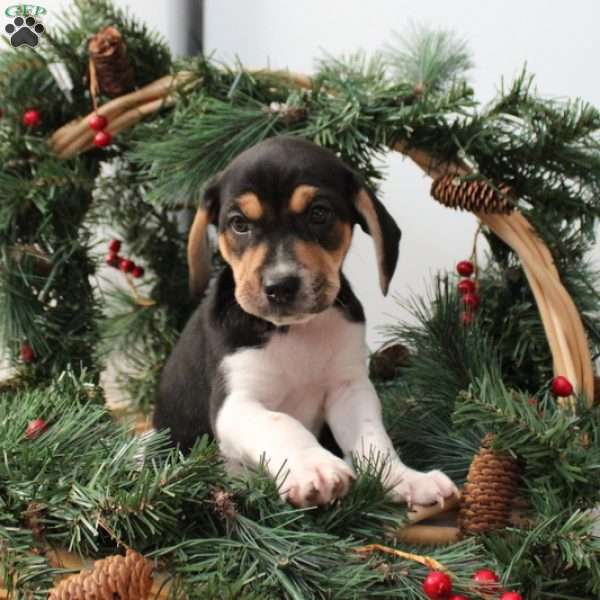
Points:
[319,214]
[239,225]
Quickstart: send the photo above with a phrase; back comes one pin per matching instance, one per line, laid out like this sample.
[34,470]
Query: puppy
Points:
[273,362]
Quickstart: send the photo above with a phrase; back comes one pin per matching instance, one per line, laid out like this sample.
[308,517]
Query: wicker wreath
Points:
[489,202]
[484,505]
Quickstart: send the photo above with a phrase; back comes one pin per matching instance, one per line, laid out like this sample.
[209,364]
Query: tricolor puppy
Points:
[273,362]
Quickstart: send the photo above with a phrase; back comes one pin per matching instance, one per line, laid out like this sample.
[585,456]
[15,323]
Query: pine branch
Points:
[147,51]
[214,132]
[539,433]
[24,571]
[97,487]
[445,355]
[429,58]
[558,557]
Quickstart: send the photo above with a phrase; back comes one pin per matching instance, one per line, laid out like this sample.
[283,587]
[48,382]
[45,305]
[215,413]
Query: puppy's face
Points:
[285,210]
[286,248]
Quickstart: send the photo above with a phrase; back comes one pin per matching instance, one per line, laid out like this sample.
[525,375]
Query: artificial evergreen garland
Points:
[80,481]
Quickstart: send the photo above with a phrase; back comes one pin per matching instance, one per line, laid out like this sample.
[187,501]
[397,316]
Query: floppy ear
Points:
[198,249]
[375,220]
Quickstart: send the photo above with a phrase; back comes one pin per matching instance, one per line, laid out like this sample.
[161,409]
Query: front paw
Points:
[315,477]
[415,487]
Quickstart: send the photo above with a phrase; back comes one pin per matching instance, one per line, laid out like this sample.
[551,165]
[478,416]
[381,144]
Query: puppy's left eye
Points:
[319,215]
[239,225]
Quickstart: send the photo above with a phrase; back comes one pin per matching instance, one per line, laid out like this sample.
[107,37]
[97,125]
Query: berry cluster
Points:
[123,264]
[468,289]
[438,586]
[98,123]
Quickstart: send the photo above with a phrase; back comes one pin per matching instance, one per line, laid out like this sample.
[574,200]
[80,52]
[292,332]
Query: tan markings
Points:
[345,234]
[224,247]
[301,197]
[325,262]
[250,205]
[365,207]
[198,254]
[246,272]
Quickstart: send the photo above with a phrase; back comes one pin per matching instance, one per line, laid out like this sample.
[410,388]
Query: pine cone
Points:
[126,577]
[386,362]
[490,490]
[474,195]
[114,72]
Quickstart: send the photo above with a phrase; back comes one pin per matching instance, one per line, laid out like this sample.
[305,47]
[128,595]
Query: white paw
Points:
[315,477]
[415,487]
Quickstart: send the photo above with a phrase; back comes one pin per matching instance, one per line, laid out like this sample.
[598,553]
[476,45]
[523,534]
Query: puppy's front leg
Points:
[353,412]
[247,431]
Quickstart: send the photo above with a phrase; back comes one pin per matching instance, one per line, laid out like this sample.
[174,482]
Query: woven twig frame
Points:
[562,322]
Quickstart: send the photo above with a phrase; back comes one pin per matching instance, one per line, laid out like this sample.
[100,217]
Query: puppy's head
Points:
[284,212]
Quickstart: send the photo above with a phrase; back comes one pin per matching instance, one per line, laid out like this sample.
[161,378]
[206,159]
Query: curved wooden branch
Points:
[428,535]
[76,136]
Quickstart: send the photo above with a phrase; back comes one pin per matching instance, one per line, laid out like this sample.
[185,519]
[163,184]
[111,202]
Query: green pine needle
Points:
[433,59]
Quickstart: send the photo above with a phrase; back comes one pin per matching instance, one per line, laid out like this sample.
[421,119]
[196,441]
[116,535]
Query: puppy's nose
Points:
[283,290]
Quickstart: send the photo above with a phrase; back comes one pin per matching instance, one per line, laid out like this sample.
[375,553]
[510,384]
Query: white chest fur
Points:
[295,370]
[277,397]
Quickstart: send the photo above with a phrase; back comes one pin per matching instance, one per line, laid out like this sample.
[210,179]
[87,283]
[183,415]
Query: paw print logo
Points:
[24,31]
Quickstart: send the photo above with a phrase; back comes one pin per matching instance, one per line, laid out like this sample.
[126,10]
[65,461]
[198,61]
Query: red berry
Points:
[97,122]
[458,597]
[467,318]
[485,576]
[35,428]
[466,286]
[437,585]
[511,596]
[113,259]
[561,386]
[102,139]
[27,354]
[465,268]
[137,272]
[114,245]
[32,117]
[472,301]
[126,265]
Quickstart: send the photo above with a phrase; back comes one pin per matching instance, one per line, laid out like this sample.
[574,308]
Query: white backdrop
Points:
[559,41]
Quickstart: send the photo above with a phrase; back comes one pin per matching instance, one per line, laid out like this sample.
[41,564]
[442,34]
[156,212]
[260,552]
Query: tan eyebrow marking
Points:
[301,197]
[250,205]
